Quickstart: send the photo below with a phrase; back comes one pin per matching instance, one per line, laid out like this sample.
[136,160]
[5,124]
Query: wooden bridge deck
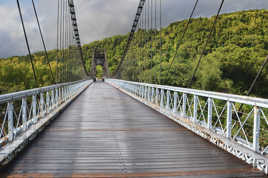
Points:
[105,133]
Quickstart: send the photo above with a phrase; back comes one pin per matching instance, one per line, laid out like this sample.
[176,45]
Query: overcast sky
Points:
[96,19]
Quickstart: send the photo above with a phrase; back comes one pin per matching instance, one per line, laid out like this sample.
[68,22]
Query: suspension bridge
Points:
[84,127]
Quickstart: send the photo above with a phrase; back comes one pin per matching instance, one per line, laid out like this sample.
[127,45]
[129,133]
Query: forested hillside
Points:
[231,61]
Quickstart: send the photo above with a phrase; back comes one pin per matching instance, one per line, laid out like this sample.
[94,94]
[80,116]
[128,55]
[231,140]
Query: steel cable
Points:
[205,46]
[27,44]
[43,42]
[183,35]
[160,35]
[57,60]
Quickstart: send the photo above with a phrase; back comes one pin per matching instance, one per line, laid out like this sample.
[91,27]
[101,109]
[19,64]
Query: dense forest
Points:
[231,61]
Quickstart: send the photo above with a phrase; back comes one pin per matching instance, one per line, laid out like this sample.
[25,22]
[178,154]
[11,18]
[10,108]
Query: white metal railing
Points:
[215,116]
[20,110]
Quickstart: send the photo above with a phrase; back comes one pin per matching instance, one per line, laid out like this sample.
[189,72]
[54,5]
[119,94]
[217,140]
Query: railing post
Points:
[145,93]
[195,108]
[52,99]
[69,92]
[209,124]
[10,110]
[168,100]
[141,91]
[57,97]
[148,93]
[175,102]
[229,120]
[60,95]
[184,101]
[47,103]
[66,93]
[152,95]
[34,108]
[162,99]
[135,89]
[42,104]
[24,113]
[63,94]
[256,131]
[156,96]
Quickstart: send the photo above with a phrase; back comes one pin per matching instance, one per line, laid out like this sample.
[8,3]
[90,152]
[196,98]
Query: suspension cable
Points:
[254,82]
[205,46]
[140,46]
[27,44]
[43,42]
[60,40]
[145,40]
[134,26]
[61,44]
[183,35]
[151,36]
[160,35]
[57,60]
[142,40]
[76,35]
[66,42]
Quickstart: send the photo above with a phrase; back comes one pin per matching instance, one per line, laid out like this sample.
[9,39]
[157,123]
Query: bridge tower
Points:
[99,58]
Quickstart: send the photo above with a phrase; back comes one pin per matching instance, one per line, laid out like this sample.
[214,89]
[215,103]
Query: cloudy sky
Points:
[96,18]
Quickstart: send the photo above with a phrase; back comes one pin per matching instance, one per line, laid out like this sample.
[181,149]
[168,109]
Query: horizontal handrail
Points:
[17,95]
[217,95]
[22,109]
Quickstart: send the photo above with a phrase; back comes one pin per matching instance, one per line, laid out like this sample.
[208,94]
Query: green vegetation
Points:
[231,61]
[99,71]
[16,73]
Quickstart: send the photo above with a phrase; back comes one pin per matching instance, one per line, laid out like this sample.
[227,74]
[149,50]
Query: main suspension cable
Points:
[205,46]
[27,44]
[131,35]
[43,42]
[76,35]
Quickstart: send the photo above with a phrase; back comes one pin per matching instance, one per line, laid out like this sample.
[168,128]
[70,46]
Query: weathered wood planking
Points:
[105,133]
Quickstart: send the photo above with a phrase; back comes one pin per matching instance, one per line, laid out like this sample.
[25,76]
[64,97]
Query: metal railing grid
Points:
[212,112]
